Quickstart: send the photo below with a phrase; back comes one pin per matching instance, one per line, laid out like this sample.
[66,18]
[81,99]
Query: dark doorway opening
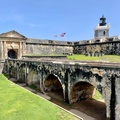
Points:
[12,54]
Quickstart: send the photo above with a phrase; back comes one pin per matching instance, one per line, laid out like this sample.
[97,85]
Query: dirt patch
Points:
[91,107]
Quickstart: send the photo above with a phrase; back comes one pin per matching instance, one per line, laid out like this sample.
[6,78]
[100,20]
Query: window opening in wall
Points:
[104,32]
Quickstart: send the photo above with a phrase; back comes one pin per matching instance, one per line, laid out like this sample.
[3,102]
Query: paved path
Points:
[82,115]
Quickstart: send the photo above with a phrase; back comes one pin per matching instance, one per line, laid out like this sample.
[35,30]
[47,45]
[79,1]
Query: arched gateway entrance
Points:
[12,54]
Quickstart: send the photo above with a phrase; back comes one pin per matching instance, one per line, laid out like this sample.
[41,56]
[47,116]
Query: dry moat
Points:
[91,107]
[96,110]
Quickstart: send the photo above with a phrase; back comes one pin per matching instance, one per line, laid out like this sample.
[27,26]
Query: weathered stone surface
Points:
[98,49]
[1,66]
[48,49]
[117,112]
[104,78]
[13,42]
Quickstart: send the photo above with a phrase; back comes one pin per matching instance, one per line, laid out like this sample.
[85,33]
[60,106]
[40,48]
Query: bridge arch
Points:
[52,84]
[81,90]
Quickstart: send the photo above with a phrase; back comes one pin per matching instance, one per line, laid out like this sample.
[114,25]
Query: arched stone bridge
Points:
[76,80]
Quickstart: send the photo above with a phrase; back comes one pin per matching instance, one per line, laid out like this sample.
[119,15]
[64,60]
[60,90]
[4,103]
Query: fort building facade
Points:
[16,45]
[75,79]
[11,45]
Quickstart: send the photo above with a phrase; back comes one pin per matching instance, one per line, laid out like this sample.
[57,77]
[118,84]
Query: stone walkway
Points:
[82,115]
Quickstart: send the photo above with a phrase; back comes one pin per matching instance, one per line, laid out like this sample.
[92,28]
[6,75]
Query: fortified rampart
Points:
[51,47]
[45,47]
[48,47]
[15,45]
[97,48]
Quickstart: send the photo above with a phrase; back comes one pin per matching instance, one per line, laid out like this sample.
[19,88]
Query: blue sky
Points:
[43,19]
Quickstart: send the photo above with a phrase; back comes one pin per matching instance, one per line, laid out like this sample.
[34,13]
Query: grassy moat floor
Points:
[104,58]
[17,103]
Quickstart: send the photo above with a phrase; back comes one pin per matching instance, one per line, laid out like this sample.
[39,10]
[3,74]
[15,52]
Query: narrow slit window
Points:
[104,32]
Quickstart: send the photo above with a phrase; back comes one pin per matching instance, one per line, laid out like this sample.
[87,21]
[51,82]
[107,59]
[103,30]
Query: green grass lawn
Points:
[105,58]
[17,103]
[98,96]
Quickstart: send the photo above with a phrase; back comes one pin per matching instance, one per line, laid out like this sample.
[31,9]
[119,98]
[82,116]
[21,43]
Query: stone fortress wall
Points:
[15,45]
[89,47]
[97,48]
[48,47]
[18,47]
[100,45]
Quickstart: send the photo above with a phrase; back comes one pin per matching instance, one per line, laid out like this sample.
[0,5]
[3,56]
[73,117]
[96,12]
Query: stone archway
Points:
[53,87]
[82,93]
[12,54]
[82,90]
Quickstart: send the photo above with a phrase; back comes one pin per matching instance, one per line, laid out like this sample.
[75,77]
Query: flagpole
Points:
[56,37]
